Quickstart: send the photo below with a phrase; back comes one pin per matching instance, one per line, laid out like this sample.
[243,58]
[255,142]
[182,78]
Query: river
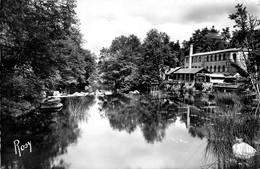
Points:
[111,132]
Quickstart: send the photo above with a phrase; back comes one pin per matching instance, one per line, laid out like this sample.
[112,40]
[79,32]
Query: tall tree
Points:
[247,36]
[118,65]
[157,52]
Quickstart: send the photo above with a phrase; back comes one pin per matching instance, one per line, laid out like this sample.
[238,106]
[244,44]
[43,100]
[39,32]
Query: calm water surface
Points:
[117,132]
[100,146]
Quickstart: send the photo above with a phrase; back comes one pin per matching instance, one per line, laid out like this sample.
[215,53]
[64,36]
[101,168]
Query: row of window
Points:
[213,69]
[216,69]
[217,57]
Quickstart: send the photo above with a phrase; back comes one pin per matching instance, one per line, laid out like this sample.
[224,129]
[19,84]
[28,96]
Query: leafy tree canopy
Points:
[41,47]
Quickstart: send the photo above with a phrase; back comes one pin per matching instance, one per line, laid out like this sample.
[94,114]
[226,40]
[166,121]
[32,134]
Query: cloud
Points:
[103,20]
[206,13]
[214,11]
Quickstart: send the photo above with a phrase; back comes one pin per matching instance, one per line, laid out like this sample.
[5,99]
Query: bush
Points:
[198,86]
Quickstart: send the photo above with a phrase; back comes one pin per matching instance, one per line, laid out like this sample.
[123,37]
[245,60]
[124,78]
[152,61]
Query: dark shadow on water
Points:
[50,135]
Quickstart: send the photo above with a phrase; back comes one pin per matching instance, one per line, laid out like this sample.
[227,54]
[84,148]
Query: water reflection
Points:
[50,135]
[122,137]
[150,115]
[195,120]
[177,134]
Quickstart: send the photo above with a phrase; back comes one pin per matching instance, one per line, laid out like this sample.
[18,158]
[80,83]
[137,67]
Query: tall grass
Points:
[230,99]
[228,103]
[228,123]
[222,133]
[78,106]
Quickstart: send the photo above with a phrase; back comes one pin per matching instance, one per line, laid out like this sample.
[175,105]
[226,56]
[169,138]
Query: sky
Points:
[101,21]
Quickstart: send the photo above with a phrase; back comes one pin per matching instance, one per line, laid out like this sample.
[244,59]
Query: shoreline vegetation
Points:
[41,51]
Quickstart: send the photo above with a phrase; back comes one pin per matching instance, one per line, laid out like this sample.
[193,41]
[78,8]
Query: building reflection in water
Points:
[222,125]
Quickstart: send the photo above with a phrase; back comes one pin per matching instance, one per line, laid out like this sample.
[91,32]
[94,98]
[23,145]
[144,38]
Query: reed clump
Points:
[79,106]
[229,122]
[230,99]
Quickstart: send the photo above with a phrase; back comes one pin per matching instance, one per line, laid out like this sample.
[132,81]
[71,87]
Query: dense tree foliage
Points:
[247,35]
[40,47]
[129,64]
[157,54]
[118,64]
[205,40]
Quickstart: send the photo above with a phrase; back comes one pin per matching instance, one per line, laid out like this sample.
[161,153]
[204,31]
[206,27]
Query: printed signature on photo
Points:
[18,148]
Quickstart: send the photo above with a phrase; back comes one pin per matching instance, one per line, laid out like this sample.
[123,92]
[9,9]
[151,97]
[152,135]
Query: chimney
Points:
[190,57]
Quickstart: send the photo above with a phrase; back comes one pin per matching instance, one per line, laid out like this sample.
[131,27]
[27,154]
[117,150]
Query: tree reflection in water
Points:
[50,135]
[230,121]
[129,112]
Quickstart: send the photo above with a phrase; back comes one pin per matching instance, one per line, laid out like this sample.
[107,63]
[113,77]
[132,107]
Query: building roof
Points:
[190,70]
[220,75]
[172,70]
[217,75]
[219,51]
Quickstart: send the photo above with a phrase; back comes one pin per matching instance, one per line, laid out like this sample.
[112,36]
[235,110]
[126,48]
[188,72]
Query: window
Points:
[211,58]
[219,57]
[216,57]
[187,77]
[223,68]
[207,58]
[215,68]
[219,69]
[235,57]
[210,68]
[207,68]
[224,56]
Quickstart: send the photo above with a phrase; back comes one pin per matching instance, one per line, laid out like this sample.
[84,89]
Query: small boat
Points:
[209,103]
[52,100]
[51,105]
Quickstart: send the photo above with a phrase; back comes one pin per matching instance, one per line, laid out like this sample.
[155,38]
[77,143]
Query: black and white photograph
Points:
[130,84]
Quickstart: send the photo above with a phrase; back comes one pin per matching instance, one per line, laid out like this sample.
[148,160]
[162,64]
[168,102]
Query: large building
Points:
[221,61]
